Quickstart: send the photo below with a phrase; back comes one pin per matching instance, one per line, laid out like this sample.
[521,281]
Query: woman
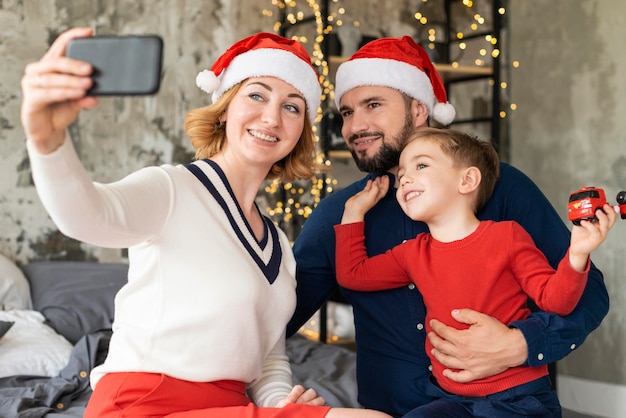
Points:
[200,324]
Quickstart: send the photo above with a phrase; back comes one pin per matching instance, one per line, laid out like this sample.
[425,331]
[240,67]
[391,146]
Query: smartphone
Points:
[123,65]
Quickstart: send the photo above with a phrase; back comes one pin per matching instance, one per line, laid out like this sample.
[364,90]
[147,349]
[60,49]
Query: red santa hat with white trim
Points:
[261,55]
[401,64]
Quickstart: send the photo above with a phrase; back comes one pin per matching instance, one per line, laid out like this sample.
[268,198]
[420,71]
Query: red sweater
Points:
[492,271]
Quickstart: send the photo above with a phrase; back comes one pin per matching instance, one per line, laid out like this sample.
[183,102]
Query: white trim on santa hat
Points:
[264,62]
[399,75]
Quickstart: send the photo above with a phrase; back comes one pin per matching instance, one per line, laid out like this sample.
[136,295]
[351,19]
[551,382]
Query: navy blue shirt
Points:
[392,366]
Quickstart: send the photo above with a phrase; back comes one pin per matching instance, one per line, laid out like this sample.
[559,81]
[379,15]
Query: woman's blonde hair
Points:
[208,136]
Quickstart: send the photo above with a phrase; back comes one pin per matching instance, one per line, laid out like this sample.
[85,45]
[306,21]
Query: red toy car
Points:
[584,203]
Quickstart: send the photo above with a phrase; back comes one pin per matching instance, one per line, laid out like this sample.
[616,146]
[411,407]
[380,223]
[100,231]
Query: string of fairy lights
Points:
[291,203]
[297,200]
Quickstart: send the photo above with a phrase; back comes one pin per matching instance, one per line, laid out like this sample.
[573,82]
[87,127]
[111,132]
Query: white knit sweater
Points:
[199,304]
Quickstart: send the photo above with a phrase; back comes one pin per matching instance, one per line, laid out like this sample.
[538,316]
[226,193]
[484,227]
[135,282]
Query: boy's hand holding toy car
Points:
[593,217]
[584,202]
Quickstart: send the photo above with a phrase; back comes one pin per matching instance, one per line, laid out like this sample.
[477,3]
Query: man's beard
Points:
[388,156]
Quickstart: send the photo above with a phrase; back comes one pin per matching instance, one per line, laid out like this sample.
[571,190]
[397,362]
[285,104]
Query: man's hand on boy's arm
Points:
[486,348]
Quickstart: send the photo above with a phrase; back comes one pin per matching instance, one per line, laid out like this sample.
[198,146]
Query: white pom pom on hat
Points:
[207,81]
[401,64]
[260,55]
[443,113]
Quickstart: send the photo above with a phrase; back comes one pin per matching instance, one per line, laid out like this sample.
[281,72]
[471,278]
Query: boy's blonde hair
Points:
[466,151]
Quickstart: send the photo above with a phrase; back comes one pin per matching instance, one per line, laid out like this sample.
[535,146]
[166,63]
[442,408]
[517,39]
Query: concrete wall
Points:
[122,134]
[567,131]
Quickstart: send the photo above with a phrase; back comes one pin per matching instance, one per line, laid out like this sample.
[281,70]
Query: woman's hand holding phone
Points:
[54,92]
[76,68]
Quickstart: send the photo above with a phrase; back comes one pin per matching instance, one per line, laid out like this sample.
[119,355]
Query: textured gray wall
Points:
[122,134]
[569,130]
[566,132]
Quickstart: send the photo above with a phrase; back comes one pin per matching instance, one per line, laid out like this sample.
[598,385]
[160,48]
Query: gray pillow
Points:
[76,298]
[14,290]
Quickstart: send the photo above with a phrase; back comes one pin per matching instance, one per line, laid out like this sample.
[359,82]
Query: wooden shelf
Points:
[448,72]
[339,154]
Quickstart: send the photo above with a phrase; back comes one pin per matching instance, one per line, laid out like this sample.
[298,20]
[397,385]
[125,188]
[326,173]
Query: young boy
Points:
[444,178]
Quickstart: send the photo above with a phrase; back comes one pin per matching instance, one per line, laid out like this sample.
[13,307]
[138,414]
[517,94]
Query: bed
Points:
[55,325]
[57,318]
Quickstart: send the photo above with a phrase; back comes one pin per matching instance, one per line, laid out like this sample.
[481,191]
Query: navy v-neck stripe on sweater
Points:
[227,201]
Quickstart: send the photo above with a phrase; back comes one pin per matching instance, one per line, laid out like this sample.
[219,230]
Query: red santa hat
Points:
[261,55]
[400,64]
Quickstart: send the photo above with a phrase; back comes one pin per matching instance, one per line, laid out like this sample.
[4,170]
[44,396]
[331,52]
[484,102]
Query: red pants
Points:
[156,395]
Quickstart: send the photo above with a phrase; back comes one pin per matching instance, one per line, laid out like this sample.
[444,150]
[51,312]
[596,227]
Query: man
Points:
[384,91]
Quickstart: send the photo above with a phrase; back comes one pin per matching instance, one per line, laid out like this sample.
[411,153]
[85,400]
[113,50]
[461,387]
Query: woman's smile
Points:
[262,136]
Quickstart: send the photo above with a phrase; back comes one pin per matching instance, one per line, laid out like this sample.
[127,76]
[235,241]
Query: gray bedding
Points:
[64,395]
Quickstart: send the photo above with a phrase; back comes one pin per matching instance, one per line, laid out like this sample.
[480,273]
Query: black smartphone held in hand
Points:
[127,65]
